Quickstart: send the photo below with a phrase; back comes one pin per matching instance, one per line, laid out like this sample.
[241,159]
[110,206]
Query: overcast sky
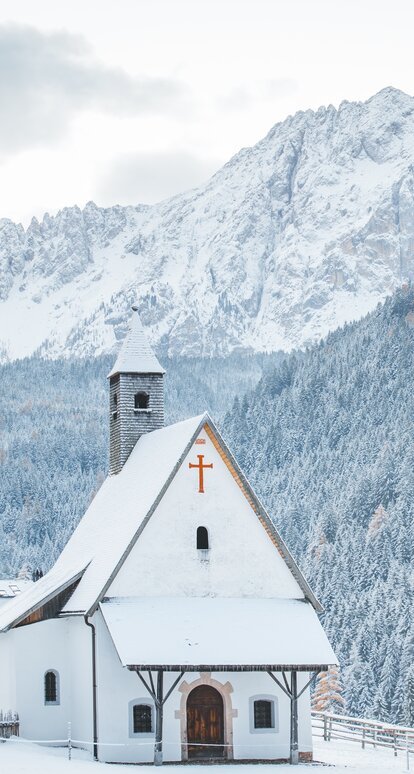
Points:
[128,101]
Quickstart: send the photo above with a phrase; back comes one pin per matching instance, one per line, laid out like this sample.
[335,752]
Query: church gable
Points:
[207,536]
[145,523]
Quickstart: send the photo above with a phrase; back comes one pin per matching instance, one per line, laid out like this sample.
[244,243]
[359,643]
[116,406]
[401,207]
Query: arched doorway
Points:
[205,723]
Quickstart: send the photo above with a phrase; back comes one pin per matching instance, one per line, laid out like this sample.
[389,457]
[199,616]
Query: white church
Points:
[175,625]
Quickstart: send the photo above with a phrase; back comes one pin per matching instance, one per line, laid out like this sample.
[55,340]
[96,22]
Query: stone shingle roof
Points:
[136,355]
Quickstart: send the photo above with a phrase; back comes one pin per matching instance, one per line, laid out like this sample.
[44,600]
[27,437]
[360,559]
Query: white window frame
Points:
[274,702]
[141,734]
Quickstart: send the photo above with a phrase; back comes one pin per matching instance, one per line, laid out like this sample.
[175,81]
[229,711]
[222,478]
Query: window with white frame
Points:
[264,714]
[141,717]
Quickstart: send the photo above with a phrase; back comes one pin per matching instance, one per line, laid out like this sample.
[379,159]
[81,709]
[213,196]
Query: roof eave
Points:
[231,667]
[44,600]
[152,372]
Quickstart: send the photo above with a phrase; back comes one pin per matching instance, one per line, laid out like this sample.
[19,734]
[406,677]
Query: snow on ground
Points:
[350,758]
[19,757]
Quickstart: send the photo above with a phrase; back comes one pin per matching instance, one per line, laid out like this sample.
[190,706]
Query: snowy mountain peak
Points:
[307,229]
[390,94]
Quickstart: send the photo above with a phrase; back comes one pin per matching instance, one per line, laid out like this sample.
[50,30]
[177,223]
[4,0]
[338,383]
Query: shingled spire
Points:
[136,394]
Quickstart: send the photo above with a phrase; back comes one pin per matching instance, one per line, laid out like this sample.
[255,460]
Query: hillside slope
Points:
[309,228]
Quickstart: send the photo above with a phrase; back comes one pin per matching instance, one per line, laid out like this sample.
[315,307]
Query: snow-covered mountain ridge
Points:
[309,228]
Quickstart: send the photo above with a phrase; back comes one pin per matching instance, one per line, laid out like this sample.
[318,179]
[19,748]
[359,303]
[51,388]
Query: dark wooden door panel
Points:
[205,723]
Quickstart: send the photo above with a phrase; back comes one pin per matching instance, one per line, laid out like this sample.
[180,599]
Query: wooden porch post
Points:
[294,751]
[159,701]
[292,693]
[159,708]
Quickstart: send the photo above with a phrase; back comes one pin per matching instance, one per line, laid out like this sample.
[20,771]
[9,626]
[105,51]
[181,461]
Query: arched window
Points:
[202,538]
[115,406]
[141,717]
[52,687]
[264,713]
[141,400]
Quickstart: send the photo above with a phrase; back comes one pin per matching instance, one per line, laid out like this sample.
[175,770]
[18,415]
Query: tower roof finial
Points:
[136,355]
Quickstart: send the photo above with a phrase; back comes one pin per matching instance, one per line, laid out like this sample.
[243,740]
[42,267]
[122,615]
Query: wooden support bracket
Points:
[157,694]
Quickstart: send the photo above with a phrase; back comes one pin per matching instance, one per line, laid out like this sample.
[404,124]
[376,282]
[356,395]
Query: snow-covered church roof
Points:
[271,632]
[116,517]
[136,355]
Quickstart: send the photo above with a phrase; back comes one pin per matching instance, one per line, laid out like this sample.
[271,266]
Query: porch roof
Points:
[236,634]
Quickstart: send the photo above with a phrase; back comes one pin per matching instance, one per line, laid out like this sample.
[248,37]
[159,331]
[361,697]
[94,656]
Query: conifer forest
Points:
[325,437]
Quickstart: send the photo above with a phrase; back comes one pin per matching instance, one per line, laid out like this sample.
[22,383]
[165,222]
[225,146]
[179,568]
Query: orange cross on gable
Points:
[201,467]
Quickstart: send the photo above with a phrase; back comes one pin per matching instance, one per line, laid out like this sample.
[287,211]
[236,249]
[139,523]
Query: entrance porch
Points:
[267,650]
[206,712]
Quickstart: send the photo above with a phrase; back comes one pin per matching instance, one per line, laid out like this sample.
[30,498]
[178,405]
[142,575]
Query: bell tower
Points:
[136,394]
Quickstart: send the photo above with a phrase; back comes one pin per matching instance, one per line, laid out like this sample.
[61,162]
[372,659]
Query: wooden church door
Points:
[205,723]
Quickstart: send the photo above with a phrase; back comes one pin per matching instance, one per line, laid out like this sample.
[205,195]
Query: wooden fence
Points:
[9,724]
[363,731]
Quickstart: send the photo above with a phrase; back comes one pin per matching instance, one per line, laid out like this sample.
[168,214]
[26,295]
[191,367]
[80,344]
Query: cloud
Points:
[244,97]
[280,87]
[47,78]
[151,177]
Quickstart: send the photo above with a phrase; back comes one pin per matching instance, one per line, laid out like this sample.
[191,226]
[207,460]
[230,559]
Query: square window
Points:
[263,714]
[142,719]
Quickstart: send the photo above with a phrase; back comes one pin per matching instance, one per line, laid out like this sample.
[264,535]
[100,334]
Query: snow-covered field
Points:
[19,757]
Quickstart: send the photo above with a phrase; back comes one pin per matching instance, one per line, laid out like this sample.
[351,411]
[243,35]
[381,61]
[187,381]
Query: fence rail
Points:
[9,724]
[325,725]
[364,731]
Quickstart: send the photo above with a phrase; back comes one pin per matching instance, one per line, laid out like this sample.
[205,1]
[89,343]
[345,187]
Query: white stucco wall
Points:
[38,648]
[80,675]
[7,673]
[118,688]
[242,562]
[26,654]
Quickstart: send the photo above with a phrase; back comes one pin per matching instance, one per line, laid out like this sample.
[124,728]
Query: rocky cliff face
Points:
[308,229]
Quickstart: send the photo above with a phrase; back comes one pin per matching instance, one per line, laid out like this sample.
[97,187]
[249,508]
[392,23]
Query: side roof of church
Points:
[101,542]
